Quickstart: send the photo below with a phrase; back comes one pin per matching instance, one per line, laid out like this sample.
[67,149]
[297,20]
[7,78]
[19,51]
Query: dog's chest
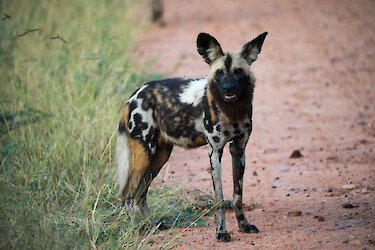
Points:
[222,133]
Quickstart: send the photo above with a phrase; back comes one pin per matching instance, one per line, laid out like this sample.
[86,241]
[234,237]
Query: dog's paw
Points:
[248,228]
[223,236]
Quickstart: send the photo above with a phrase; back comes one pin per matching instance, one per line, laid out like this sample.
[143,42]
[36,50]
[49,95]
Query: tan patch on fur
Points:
[139,159]
[218,64]
[124,116]
[210,99]
[139,163]
[160,141]
[158,95]
[213,54]
[225,121]
[239,62]
[200,141]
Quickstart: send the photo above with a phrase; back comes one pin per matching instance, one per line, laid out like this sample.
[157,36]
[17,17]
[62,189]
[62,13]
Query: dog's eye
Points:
[219,73]
[239,72]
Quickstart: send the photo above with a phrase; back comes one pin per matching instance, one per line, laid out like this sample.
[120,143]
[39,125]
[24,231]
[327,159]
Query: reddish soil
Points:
[315,93]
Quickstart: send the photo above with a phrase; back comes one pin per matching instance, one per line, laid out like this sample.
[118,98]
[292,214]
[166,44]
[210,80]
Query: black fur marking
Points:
[237,131]
[139,127]
[130,125]
[137,118]
[248,228]
[132,106]
[241,136]
[228,62]
[247,125]
[218,128]
[153,143]
[149,136]
[216,139]
[146,104]
[240,154]
[239,109]
[206,42]
[212,177]
[241,217]
[121,128]
[223,237]
[207,116]
[235,125]
[241,170]
[220,154]
[211,165]
[226,132]
[237,190]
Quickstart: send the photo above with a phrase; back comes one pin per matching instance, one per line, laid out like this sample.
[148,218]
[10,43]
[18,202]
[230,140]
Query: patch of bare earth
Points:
[315,93]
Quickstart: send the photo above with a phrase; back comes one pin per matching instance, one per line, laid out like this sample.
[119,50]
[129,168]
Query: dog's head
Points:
[230,72]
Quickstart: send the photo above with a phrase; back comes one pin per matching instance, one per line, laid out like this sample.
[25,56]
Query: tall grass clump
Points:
[66,68]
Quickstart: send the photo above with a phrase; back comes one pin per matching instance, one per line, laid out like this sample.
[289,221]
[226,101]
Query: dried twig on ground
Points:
[59,37]
[6,16]
[27,32]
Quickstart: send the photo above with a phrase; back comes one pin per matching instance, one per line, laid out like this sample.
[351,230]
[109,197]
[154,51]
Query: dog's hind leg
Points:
[237,150]
[133,161]
[161,155]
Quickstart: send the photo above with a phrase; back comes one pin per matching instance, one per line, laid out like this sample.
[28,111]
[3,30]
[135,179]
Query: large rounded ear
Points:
[251,49]
[209,48]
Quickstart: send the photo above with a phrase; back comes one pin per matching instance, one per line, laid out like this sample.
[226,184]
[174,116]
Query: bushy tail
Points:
[123,156]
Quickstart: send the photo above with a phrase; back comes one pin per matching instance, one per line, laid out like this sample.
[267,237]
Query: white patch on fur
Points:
[237,200]
[198,124]
[213,53]
[194,92]
[136,94]
[254,53]
[123,160]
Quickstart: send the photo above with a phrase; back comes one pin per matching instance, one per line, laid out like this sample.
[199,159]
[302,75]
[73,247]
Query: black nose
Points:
[229,90]
[228,87]
[229,84]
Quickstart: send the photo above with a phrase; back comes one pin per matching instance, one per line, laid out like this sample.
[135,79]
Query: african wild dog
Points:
[190,113]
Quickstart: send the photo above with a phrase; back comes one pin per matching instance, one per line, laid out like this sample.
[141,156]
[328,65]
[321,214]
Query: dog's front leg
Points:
[237,150]
[215,161]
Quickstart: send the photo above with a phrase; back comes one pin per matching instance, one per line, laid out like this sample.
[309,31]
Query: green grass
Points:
[66,69]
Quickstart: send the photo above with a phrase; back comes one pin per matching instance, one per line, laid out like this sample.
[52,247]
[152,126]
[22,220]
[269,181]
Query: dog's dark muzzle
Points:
[230,89]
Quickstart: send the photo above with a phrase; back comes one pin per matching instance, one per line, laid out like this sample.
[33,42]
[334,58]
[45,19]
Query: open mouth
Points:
[230,96]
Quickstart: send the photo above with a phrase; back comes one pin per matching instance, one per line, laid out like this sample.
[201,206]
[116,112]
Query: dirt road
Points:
[315,93]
